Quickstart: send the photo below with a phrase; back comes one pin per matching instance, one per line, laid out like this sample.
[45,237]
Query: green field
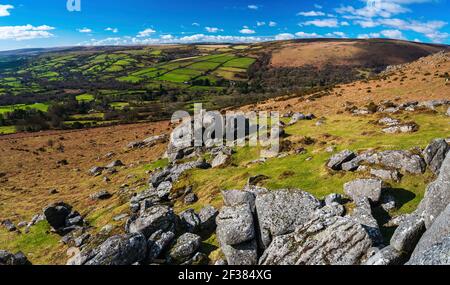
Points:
[38,106]
[85,98]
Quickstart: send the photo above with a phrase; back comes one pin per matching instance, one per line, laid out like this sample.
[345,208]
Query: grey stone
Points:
[57,213]
[241,254]
[208,216]
[151,220]
[101,195]
[9,259]
[364,188]
[157,243]
[190,199]
[387,256]
[405,128]
[185,247]
[237,197]
[280,212]
[435,153]
[120,250]
[154,140]
[439,230]
[408,233]
[220,160]
[81,240]
[333,198]
[10,227]
[190,221]
[337,160]
[331,241]
[96,170]
[362,214]
[400,160]
[235,225]
[388,202]
[438,254]
[384,174]
[389,121]
[115,163]
[437,195]
[164,189]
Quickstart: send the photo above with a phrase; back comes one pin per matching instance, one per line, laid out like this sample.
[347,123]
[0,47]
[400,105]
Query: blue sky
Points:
[49,23]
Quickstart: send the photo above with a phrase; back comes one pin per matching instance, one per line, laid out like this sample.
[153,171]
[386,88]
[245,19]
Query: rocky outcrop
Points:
[437,195]
[408,233]
[220,160]
[235,225]
[435,153]
[438,254]
[330,241]
[280,212]
[387,256]
[362,215]
[185,248]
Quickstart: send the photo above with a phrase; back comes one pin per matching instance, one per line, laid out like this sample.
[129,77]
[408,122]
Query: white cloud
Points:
[196,24]
[259,24]
[392,34]
[27,32]
[247,31]
[272,24]
[369,36]
[328,23]
[113,30]
[213,29]
[253,7]
[345,23]
[167,37]
[311,14]
[337,34]
[146,33]
[4,10]
[317,6]
[85,30]
[284,36]
[307,35]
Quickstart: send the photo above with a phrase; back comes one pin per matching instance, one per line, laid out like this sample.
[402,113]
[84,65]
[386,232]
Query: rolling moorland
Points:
[378,106]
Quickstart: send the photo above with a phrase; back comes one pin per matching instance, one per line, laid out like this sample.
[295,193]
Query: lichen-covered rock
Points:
[236,197]
[220,160]
[364,188]
[438,254]
[385,174]
[151,220]
[362,214]
[435,153]
[280,212]
[334,241]
[235,225]
[333,198]
[241,254]
[190,221]
[208,216]
[437,195]
[157,243]
[439,230]
[387,256]
[338,159]
[117,250]
[408,233]
[185,247]
[400,160]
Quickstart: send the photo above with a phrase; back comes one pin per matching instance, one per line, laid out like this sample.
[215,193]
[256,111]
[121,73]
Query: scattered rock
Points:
[53,191]
[157,243]
[185,247]
[242,254]
[190,221]
[408,233]
[117,250]
[115,163]
[155,218]
[120,217]
[190,199]
[101,195]
[56,214]
[435,153]
[400,160]
[362,214]
[220,160]
[387,256]
[389,122]
[405,128]
[388,202]
[385,174]
[280,212]
[364,188]
[9,259]
[9,226]
[333,198]
[337,160]
[208,216]
[96,171]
